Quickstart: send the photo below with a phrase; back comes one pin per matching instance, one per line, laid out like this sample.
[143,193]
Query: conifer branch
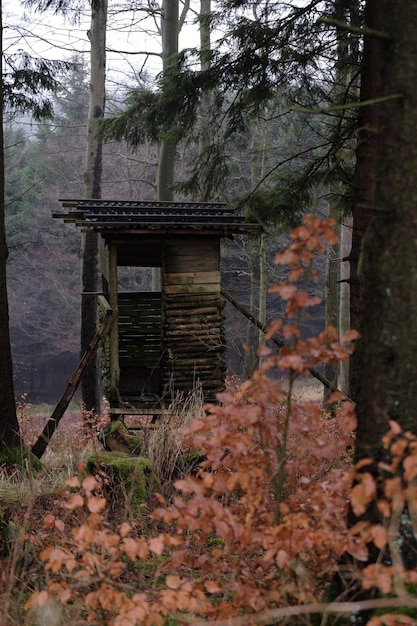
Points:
[348,105]
[355,30]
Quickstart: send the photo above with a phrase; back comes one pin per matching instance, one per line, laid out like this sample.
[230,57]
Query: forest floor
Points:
[28,499]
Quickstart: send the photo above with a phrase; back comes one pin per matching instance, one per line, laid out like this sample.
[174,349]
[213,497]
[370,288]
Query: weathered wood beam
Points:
[51,425]
[114,333]
[278,342]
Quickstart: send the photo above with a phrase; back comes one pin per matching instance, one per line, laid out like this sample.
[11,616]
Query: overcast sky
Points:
[51,36]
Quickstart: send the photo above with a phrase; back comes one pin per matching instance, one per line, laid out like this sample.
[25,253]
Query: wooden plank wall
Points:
[193,334]
[140,344]
[140,328]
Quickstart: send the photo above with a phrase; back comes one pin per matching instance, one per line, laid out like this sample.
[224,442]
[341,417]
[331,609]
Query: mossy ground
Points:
[131,477]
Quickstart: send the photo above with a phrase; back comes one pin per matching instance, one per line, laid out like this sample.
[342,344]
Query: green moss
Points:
[214,542]
[132,477]
[22,457]
[115,437]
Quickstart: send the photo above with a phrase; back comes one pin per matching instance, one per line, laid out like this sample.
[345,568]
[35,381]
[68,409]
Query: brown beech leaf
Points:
[378,575]
[96,504]
[73,482]
[129,546]
[212,587]
[362,493]
[156,545]
[282,558]
[379,536]
[284,290]
[173,582]
[124,529]
[39,598]
[75,501]
[384,508]
[90,484]
[410,467]
[350,335]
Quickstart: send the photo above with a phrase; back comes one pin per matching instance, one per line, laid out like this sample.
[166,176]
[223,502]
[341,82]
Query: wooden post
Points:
[276,340]
[114,332]
[51,425]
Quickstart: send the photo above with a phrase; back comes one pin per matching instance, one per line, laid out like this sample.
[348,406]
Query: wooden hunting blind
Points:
[171,337]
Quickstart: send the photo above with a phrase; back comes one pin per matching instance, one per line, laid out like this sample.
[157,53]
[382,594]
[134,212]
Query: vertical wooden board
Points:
[114,333]
[103,252]
[185,254]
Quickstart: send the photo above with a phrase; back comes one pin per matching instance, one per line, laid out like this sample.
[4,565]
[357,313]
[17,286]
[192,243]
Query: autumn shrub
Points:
[262,525]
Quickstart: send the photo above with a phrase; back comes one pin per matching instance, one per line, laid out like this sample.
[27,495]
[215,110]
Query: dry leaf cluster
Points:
[259,532]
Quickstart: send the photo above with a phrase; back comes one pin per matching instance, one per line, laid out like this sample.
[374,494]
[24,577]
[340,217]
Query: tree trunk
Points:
[332,290]
[344,312]
[205,132]
[93,169]
[9,427]
[387,364]
[167,147]
[364,182]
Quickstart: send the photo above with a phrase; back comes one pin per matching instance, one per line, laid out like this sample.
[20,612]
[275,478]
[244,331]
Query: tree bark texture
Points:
[364,182]
[387,362]
[93,170]
[167,147]
[9,427]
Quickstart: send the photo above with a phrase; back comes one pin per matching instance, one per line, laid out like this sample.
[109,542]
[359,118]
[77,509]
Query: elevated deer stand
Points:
[171,338]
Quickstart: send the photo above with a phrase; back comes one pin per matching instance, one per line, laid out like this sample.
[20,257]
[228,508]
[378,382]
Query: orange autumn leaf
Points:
[39,598]
[74,501]
[410,467]
[378,575]
[124,529]
[211,587]
[90,484]
[350,335]
[379,535]
[282,558]
[284,290]
[96,504]
[173,582]
[73,482]
[362,493]
[129,546]
[156,545]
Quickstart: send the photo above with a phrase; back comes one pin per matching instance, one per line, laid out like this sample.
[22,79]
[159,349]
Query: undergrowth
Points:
[257,533]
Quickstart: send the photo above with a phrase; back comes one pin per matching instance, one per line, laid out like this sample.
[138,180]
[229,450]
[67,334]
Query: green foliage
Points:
[257,65]
[116,438]
[28,83]
[21,457]
[168,113]
[283,206]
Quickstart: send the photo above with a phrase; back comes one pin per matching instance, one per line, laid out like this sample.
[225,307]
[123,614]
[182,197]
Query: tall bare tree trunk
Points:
[9,427]
[205,132]
[93,170]
[387,364]
[337,292]
[167,147]
[259,172]
[365,183]
[344,287]
[332,289]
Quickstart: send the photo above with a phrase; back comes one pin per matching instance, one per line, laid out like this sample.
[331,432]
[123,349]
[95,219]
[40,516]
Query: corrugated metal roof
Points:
[118,215]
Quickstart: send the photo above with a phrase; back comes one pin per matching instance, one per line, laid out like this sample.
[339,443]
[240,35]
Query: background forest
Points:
[268,508]
[44,163]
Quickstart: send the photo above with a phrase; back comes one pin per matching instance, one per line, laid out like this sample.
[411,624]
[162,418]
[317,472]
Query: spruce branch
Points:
[355,30]
[347,105]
